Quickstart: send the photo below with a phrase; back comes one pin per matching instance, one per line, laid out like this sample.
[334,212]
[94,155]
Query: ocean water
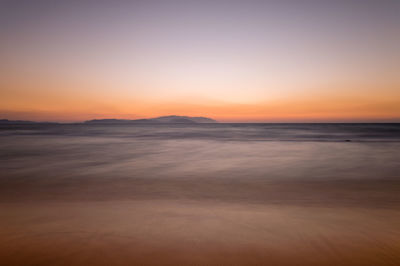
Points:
[200,194]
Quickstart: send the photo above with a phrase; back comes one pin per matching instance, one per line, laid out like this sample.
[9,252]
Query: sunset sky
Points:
[234,61]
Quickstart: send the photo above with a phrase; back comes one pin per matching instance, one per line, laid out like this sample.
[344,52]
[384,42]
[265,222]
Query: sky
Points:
[234,61]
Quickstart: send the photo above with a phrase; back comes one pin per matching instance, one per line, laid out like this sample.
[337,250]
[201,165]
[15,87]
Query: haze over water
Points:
[200,194]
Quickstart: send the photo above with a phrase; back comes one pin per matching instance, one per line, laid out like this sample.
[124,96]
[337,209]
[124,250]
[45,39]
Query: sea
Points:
[200,194]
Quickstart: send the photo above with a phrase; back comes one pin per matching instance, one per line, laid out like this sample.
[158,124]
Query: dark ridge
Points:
[163,119]
[13,122]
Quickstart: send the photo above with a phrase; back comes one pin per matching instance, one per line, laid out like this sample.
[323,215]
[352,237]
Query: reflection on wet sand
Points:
[196,233]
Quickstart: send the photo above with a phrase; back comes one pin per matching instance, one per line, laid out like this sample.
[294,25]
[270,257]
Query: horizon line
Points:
[333,121]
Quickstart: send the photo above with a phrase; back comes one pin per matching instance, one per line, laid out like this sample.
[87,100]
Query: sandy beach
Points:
[193,233]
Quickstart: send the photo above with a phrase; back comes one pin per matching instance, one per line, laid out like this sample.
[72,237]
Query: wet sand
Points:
[196,233]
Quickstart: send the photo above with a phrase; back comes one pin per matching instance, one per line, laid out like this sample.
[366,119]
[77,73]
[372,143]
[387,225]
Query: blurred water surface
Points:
[327,194]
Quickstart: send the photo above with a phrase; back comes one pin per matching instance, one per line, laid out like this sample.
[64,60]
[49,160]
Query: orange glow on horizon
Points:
[306,110]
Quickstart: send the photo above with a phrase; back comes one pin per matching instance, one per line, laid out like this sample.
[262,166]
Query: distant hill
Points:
[172,119]
[14,122]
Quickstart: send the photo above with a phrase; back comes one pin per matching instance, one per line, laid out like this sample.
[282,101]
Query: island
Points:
[171,119]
